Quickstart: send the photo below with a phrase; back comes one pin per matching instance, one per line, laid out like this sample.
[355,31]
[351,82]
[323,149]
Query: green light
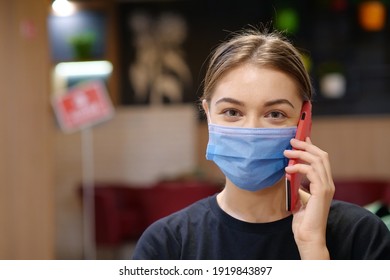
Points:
[287,20]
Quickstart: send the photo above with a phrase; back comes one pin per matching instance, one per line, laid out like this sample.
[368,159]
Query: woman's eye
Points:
[232,113]
[275,115]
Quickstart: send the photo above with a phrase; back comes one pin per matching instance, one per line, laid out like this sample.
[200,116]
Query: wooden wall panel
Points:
[26,128]
[358,146]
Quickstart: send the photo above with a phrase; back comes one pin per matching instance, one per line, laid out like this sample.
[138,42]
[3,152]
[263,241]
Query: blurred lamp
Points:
[87,68]
[71,72]
[63,8]
[333,85]
[306,62]
[339,5]
[287,19]
[372,15]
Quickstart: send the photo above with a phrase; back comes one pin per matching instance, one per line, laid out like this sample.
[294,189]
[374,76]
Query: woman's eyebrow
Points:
[229,100]
[278,101]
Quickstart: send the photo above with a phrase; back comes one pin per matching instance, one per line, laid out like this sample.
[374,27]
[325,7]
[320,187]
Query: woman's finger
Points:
[318,155]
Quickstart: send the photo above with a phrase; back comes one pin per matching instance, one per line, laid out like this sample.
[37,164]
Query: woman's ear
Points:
[205,106]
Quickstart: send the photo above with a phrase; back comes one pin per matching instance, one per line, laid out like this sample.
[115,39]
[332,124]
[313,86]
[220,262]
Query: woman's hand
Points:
[310,218]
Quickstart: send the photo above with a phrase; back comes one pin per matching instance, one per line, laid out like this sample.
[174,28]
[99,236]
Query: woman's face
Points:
[250,96]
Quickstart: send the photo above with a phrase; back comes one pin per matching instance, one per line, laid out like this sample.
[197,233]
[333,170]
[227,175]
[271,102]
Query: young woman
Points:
[254,89]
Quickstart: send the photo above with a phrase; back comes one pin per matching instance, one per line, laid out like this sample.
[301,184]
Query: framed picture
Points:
[165,45]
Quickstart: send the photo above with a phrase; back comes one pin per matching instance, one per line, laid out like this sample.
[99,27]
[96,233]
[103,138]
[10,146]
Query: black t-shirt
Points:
[204,231]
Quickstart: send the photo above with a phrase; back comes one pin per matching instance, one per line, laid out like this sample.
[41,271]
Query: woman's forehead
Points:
[246,80]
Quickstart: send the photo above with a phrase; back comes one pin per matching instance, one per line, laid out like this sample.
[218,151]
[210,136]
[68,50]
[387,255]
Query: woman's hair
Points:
[264,49]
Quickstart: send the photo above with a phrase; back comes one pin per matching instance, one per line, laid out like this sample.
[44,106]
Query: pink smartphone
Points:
[293,181]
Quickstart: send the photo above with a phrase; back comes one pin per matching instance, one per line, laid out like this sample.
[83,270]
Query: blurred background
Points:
[100,126]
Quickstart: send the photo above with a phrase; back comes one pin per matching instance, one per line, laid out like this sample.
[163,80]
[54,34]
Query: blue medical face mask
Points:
[251,158]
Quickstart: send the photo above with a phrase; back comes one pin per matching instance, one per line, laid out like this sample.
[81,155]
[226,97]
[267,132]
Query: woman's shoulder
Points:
[342,206]
[174,223]
[163,238]
[353,232]
[349,213]
[194,211]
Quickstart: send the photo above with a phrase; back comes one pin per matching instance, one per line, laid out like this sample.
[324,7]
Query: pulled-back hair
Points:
[264,49]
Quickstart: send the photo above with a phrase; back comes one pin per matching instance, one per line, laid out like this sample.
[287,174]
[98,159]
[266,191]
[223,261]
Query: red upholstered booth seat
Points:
[362,192]
[123,211]
[117,215]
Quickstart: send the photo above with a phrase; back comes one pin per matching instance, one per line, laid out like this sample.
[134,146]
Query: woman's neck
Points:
[263,206]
